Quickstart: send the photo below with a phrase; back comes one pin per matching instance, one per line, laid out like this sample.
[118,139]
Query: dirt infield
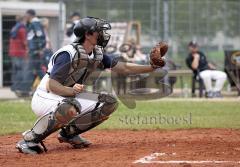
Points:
[197,147]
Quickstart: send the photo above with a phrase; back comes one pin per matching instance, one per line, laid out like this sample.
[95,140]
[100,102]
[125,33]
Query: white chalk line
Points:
[150,159]
[189,162]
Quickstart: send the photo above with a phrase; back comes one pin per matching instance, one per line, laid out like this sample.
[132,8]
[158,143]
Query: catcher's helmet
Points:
[90,25]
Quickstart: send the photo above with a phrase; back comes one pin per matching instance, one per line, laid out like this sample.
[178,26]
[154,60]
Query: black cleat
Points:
[76,141]
[29,147]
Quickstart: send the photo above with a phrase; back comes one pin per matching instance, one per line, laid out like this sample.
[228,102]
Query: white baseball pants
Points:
[44,102]
[209,75]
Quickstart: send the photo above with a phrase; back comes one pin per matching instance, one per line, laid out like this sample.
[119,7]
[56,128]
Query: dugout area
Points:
[8,11]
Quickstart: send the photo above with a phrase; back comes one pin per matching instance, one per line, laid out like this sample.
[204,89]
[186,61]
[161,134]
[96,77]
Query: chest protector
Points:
[81,64]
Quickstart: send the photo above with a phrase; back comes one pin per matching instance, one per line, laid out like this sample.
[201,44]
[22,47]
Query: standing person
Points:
[47,51]
[197,61]
[44,54]
[75,17]
[60,100]
[36,42]
[45,24]
[18,53]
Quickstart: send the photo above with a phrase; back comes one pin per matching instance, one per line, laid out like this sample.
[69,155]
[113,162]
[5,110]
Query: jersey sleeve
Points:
[61,67]
[109,61]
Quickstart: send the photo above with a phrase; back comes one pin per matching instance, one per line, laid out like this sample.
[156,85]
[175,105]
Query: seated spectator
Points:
[197,61]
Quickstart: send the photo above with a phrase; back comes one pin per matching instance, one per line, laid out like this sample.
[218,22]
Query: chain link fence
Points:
[214,24]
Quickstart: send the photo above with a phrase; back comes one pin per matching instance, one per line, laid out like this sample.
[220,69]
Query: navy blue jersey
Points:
[203,63]
[35,35]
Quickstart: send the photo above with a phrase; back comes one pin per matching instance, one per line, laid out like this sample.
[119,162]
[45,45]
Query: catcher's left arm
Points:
[156,61]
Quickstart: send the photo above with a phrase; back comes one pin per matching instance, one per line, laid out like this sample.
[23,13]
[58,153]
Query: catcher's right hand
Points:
[157,53]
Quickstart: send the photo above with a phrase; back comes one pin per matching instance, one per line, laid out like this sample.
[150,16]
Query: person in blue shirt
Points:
[36,40]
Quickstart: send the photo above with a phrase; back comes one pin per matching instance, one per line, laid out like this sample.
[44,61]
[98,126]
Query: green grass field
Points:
[162,114]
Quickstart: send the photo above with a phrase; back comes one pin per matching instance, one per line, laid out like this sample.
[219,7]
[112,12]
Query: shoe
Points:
[29,147]
[209,94]
[217,94]
[21,93]
[75,141]
[13,89]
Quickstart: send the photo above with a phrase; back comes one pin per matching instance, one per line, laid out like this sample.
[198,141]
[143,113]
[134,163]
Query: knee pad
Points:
[51,122]
[67,110]
[110,104]
[105,106]
[74,103]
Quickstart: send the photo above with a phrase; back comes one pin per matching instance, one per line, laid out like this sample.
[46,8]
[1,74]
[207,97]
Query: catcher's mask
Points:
[90,25]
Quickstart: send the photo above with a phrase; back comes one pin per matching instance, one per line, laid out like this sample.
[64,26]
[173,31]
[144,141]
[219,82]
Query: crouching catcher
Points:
[60,101]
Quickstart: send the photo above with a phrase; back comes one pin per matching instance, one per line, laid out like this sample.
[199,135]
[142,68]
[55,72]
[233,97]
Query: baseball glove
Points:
[157,53]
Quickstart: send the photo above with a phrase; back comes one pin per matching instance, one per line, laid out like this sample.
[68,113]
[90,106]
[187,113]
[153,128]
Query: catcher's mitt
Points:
[157,53]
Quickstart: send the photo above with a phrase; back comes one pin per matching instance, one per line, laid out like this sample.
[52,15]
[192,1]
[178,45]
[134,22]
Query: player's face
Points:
[74,18]
[95,37]
[193,49]
[27,17]
[92,39]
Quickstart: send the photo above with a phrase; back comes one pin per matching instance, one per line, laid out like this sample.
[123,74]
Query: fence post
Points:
[207,24]
[1,51]
[108,9]
[151,17]
[225,22]
[131,10]
[165,20]
[157,19]
[84,8]
[190,17]
[61,22]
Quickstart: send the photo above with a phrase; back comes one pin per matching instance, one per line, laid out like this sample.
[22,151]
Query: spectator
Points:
[132,53]
[45,54]
[139,57]
[36,43]
[75,17]
[47,51]
[197,61]
[18,53]
[45,24]
[128,50]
